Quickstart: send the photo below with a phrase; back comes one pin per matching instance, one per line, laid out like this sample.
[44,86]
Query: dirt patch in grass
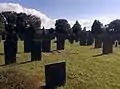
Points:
[15,79]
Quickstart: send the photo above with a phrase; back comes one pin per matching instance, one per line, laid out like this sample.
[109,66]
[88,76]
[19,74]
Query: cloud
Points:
[48,22]
[88,22]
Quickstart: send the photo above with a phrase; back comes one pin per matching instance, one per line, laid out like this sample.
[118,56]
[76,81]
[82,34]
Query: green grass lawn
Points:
[85,68]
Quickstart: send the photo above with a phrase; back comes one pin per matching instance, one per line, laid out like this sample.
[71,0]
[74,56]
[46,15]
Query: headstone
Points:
[61,42]
[71,38]
[55,75]
[16,46]
[83,42]
[3,37]
[98,42]
[36,50]
[89,38]
[83,39]
[76,38]
[89,41]
[116,43]
[46,45]
[27,45]
[9,50]
[28,36]
[107,45]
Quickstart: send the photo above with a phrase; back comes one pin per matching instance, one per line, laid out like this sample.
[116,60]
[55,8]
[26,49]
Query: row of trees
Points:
[28,28]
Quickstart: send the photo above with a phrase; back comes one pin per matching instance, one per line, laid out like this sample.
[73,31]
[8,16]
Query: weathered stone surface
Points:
[98,42]
[36,51]
[55,74]
[10,52]
[107,45]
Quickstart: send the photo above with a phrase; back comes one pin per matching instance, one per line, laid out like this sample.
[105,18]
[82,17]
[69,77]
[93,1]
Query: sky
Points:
[85,11]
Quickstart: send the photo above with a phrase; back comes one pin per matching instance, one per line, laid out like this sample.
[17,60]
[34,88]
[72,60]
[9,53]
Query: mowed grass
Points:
[85,67]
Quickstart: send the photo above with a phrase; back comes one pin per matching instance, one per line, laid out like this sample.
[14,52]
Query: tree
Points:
[114,29]
[96,28]
[115,25]
[76,28]
[62,26]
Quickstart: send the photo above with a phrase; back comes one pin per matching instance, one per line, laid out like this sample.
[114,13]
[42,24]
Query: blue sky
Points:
[73,9]
[85,11]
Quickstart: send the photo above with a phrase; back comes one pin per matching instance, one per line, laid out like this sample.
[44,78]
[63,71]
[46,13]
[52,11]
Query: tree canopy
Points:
[62,26]
[96,28]
[76,28]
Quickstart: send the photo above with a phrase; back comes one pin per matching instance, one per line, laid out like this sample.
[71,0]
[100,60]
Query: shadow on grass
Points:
[98,55]
[101,54]
[1,53]
[53,51]
[14,64]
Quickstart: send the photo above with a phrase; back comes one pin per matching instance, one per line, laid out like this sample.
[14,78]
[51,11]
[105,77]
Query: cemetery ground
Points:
[86,68]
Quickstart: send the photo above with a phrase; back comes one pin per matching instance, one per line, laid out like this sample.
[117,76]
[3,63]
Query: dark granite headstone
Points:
[3,37]
[71,38]
[27,46]
[83,42]
[76,38]
[61,42]
[107,45]
[36,51]
[55,74]
[116,43]
[98,42]
[28,36]
[46,45]
[89,41]
[10,52]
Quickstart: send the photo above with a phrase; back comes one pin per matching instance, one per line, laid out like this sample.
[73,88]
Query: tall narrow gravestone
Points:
[55,75]
[36,50]
[27,45]
[107,45]
[83,38]
[71,38]
[61,42]
[10,53]
[98,42]
[46,45]
[28,35]
[3,37]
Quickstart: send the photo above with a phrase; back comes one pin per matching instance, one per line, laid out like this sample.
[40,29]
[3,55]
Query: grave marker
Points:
[55,74]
